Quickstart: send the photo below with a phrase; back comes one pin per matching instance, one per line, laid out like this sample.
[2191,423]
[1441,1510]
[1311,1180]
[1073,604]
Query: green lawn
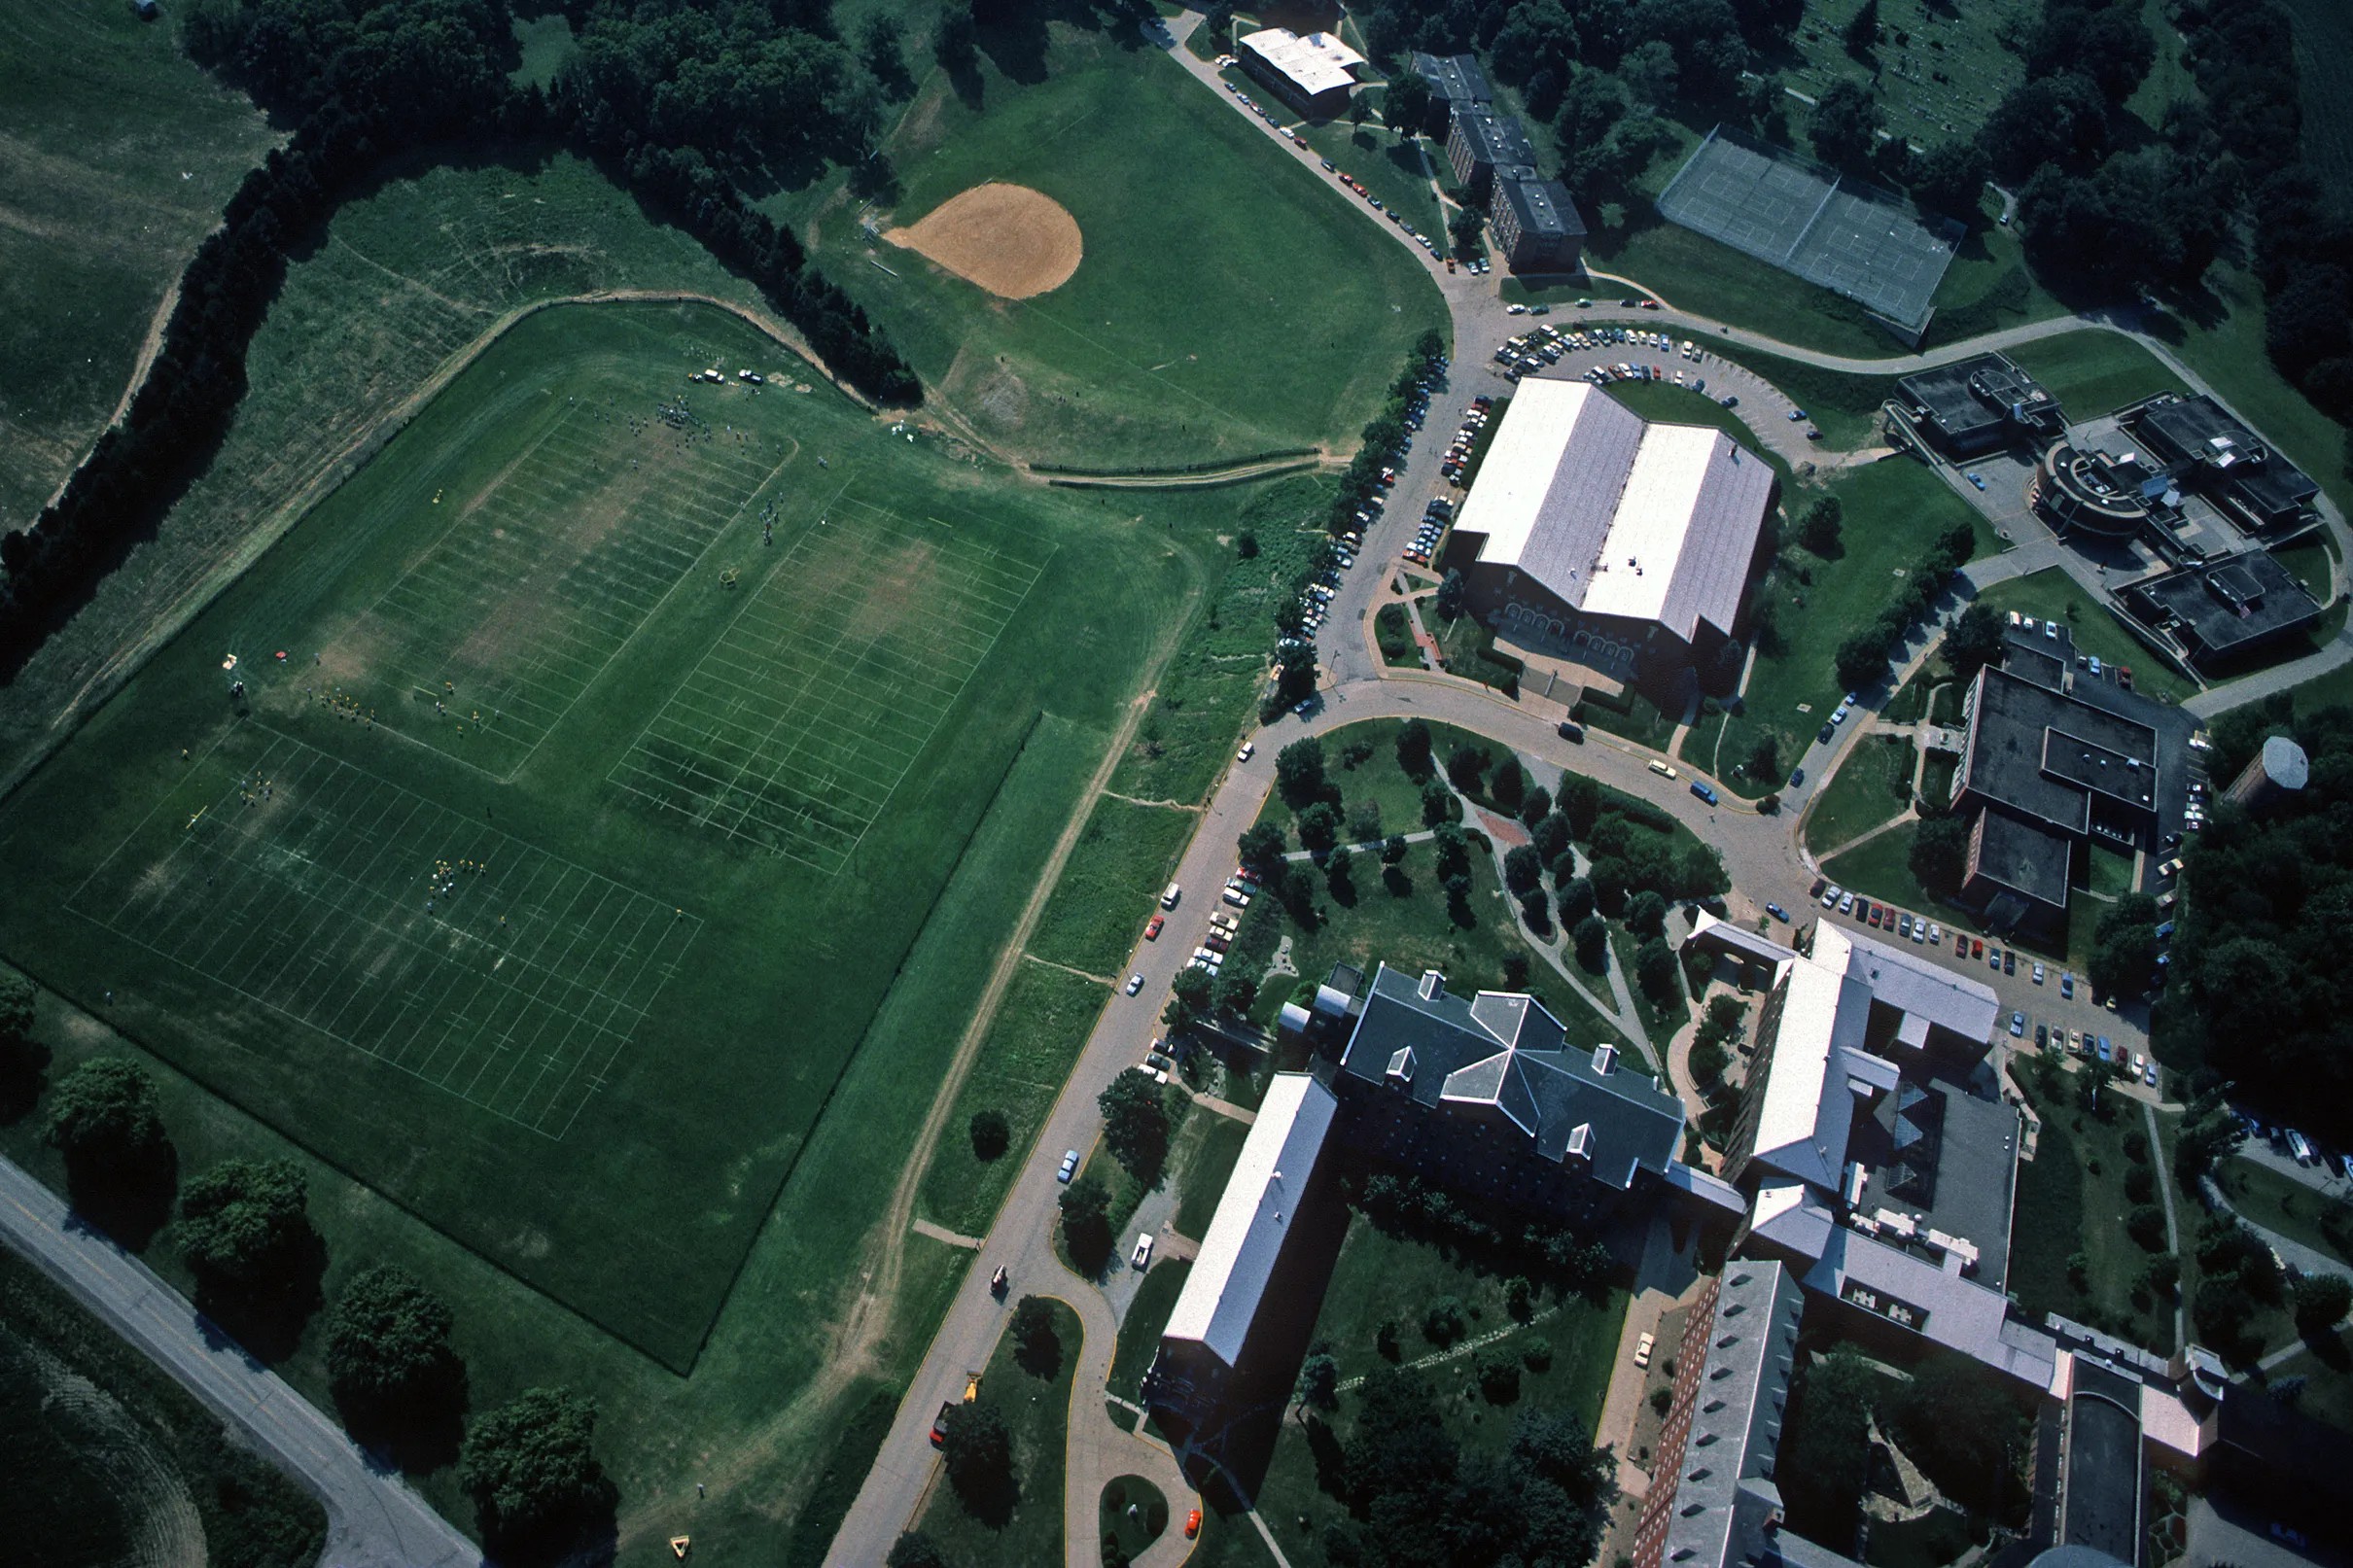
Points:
[1390,169]
[1381,1278]
[1034,1401]
[2050,594]
[2287,1205]
[1843,405]
[1644,722]
[1148,355]
[1040,1028]
[1872,786]
[1879,868]
[1206,1168]
[1895,511]
[2071,1199]
[2111,871]
[1147,1314]
[1659,1022]
[2092,372]
[1136,1530]
[1113,884]
[99,1445]
[122,154]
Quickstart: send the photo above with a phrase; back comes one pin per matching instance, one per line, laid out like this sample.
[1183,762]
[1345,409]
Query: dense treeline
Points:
[2257,986]
[364,82]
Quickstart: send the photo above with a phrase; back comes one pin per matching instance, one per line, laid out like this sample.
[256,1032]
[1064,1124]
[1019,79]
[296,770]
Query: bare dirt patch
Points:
[1013,241]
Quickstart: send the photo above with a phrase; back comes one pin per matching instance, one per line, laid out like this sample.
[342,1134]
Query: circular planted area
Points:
[1013,241]
[1133,1514]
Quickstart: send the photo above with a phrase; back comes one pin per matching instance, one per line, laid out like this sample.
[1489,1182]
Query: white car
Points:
[1142,1255]
[1134,983]
[1248,747]
[1069,1165]
[1829,897]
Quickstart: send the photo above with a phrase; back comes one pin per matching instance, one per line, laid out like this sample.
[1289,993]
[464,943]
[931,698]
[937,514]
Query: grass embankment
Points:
[2282,1203]
[1020,1522]
[1872,786]
[2070,1204]
[1144,357]
[2051,595]
[122,154]
[1139,1331]
[1895,511]
[108,1460]
[1207,1169]
[2090,373]
[1106,894]
[1390,169]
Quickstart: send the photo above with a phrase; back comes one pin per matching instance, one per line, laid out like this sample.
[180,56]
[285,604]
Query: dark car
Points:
[2009,962]
[1797,777]
[1826,735]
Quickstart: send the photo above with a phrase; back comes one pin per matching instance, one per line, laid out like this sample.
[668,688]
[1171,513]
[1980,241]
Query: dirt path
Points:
[1208,479]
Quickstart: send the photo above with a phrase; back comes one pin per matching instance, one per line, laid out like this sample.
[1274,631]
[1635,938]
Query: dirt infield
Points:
[1013,241]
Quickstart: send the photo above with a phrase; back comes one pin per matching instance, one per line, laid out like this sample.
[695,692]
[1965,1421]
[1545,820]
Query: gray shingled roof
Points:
[1503,1049]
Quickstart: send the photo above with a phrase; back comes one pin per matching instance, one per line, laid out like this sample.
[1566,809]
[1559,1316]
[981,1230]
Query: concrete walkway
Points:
[373,1519]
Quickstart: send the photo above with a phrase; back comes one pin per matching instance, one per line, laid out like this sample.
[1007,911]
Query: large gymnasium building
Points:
[1593,533]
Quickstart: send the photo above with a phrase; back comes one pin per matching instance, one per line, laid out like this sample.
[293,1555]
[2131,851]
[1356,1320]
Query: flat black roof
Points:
[2043,753]
[1455,77]
[2189,428]
[1496,140]
[1949,1158]
[1543,207]
[1956,406]
[2027,857]
[2239,598]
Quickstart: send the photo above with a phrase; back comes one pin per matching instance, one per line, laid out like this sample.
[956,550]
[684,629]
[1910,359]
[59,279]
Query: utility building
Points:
[1314,73]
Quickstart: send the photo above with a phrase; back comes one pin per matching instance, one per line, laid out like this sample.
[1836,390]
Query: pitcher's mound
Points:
[1013,241]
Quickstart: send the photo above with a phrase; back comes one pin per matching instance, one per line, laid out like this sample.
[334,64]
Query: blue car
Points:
[1703,791]
[1777,913]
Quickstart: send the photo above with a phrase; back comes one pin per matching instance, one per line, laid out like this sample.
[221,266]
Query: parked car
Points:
[1134,983]
[1069,1165]
[1831,896]
[2067,986]
[1703,791]
[2018,1025]
[1141,1257]
[1152,929]
[1777,913]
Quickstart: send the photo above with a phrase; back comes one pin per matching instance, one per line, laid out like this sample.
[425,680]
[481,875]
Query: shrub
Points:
[990,1134]
[1442,1325]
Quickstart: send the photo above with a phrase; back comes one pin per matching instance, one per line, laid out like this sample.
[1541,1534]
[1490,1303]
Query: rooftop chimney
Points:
[1433,985]
[1606,1060]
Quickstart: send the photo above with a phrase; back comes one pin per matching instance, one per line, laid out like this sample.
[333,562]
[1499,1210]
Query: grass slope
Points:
[118,157]
[109,1460]
[1108,891]
[1871,787]
[613,1091]
[1227,303]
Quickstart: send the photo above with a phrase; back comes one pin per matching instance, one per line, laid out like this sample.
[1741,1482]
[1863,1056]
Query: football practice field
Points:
[536,831]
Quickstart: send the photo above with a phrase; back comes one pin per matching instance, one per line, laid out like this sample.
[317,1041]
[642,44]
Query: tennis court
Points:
[460,954]
[1814,223]
[793,731]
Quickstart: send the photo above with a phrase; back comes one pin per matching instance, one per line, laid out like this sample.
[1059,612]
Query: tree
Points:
[1940,855]
[978,1449]
[1523,868]
[915,1549]
[1464,228]
[955,41]
[531,1469]
[388,1353]
[1975,641]
[1575,901]
[1646,914]
[1318,1386]
[15,1014]
[2124,947]
[1414,754]
[1535,807]
[879,46]
[1580,803]
[1437,803]
[1086,1225]
[1263,845]
[1358,111]
[1443,1324]
[1862,34]
[1337,869]
[23,1059]
[1394,849]
[1818,526]
[1406,107]
[1450,595]
[1035,1343]
[1188,997]
[1844,124]
[1590,938]
[1650,72]
[1364,820]
[1827,1442]
[1958,1424]
[1655,972]
[1499,1375]
[1467,766]
[104,1112]
[245,1231]
[1319,826]
[1235,994]
[1951,178]
[2321,1302]
[1135,1123]
[1299,773]
[990,1134]
[1861,658]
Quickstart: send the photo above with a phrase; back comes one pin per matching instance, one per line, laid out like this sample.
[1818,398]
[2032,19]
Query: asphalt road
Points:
[373,1519]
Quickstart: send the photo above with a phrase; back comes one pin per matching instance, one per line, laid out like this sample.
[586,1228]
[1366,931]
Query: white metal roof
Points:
[1615,515]
[1807,1112]
[1253,1219]
[1913,983]
[1316,64]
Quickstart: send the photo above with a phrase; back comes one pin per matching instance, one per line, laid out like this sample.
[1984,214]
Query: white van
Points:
[2299,1147]
[1170,894]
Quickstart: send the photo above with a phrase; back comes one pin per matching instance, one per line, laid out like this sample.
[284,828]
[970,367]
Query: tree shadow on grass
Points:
[23,1075]
[268,1316]
[414,1435]
[129,1198]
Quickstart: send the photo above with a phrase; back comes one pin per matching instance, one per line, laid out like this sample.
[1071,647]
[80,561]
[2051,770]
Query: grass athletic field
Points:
[552,878]
[1226,305]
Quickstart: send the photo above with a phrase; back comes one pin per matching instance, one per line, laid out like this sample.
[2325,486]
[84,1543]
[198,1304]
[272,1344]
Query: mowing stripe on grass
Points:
[795,730]
[462,956]
[526,598]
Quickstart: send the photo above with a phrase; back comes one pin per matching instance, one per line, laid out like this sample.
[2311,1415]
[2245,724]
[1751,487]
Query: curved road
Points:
[373,1521]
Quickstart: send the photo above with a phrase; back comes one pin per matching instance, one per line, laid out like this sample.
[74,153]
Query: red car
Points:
[1192,1524]
[1151,932]
[1874,914]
